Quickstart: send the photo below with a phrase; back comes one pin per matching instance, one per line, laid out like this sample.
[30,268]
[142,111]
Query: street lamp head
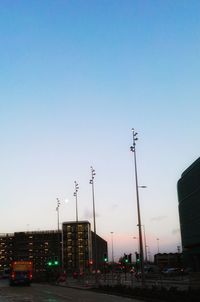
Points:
[132,148]
[92,169]
[76,188]
[93,174]
[134,133]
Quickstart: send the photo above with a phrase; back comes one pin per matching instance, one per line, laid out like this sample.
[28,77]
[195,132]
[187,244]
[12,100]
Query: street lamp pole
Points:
[57,209]
[75,194]
[158,245]
[112,247]
[137,244]
[157,257]
[145,244]
[94,220]
[133,149]
[77,261]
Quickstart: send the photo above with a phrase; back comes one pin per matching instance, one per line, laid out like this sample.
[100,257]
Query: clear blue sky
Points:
[75,77]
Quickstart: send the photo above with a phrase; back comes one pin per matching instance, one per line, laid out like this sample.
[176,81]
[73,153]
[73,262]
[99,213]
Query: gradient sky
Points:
[75,77]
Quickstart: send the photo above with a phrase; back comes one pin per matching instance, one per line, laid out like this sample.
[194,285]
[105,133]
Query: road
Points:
[51,293]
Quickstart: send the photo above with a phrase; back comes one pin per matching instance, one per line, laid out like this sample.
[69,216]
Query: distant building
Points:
[39,247]
[165,260]
[79,247]
[6,250]
[72,248]
[189,213]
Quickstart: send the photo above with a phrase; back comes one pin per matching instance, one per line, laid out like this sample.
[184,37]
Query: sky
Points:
[76,77]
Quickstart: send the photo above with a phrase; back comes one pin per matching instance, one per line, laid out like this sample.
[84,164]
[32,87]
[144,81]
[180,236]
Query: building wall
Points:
[102,249]
[6,250]
[43,247]
[165,260]
[77,245]
[39,247]
[189,213]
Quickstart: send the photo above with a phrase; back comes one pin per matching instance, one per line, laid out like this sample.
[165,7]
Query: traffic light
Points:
[105,258]
[53,262]
[130,258]
[125,258]
[137,256]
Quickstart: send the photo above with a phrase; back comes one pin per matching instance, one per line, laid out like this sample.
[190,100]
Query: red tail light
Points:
[13,275]
[30,276]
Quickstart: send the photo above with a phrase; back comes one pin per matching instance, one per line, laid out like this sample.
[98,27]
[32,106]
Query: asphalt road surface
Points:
[51,293]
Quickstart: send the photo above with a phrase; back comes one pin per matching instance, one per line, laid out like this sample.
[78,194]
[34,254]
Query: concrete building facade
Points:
[189,213]
[79,247]
[72,247]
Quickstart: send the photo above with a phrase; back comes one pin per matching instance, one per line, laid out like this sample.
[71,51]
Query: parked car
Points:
[171,271]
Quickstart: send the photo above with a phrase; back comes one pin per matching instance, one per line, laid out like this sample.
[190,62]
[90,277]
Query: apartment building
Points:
[72,248]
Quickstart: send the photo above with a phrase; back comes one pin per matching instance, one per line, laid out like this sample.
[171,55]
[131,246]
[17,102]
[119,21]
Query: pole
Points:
[76,198]
[133,149]
[145,244]
[112,247]
[94,220]
[112,267]
[157,258]
[77,264]
[57,209]
[158,245]
[62,248]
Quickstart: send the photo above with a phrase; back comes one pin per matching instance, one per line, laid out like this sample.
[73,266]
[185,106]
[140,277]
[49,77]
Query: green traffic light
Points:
[49,263]
[56,262]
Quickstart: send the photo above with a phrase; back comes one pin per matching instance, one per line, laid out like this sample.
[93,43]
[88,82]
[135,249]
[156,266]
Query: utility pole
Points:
[77,260]
[75,194]
[133,149]
[94,220]
[57,209]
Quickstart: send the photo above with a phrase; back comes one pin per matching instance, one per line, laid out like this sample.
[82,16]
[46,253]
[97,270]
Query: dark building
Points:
[165,260]
[101,251]
[79,247]
[72,248]
[189,213]
[39,247]
[6,250]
